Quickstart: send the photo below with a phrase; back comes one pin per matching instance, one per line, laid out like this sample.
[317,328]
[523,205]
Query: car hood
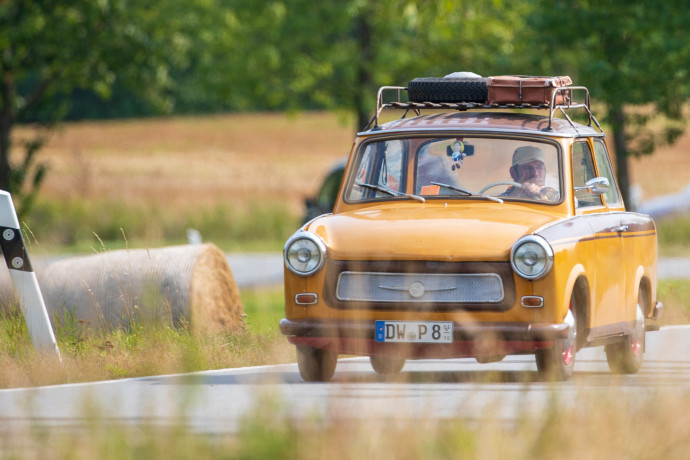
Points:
[468,232]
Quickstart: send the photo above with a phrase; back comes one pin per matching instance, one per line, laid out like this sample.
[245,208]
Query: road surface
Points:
[216,401]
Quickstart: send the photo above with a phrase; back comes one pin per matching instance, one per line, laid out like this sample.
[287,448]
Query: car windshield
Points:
[457,167]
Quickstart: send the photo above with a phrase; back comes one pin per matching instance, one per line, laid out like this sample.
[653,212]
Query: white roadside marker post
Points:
[24,279]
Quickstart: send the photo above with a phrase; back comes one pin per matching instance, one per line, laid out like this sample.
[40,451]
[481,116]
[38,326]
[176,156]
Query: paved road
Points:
[215,401]
[262,269]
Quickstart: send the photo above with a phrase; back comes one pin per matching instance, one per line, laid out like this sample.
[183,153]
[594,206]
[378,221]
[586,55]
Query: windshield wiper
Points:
[380,188]
[467,192]
[453,187]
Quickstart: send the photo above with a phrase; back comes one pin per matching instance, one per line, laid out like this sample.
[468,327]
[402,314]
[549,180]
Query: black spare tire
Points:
[432,89]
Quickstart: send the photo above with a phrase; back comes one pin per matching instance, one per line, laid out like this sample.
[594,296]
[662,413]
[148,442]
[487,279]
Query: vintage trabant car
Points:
[474,230]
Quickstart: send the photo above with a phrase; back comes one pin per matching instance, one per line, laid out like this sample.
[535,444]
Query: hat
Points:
[525,154]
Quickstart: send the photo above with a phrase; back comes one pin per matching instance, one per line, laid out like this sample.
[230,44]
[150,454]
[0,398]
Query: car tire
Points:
[625,356]
[315,364]
[448,90]
[387,365]
[557,362]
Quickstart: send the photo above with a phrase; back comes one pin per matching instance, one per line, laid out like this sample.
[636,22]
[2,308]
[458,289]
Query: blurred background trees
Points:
[94,59]
[633,57]
[61,59]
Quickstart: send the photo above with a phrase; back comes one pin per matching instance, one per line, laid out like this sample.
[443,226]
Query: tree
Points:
[49,49]
[297,54]
[634,58]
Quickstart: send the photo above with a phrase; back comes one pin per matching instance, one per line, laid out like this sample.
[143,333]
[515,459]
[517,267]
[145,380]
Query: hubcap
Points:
[569,343]
[638,333]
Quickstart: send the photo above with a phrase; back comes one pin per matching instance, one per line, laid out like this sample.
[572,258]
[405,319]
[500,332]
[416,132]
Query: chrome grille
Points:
[419,287]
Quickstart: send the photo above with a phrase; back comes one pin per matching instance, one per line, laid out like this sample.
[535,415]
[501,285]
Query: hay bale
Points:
[190,284]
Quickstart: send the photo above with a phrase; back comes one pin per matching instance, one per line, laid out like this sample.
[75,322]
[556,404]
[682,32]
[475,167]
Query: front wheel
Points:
[625,356]
[557,362]
[315,364]
[386,365]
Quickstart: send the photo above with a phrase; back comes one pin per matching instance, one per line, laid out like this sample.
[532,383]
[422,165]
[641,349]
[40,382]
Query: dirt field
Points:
[245,158]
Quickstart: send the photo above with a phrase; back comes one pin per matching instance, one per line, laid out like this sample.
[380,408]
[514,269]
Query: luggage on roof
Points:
[521,89]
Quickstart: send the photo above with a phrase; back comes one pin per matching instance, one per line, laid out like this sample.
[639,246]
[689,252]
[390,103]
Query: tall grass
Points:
[143,349]
[674,236]
[72,225]
[675,295]
[596,426]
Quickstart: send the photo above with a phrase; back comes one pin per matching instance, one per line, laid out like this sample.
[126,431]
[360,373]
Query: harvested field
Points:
[196,162]
[193,162]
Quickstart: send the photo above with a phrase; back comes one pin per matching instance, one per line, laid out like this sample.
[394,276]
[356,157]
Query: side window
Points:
[363,173]
[380,165]
[613,197]
[583,170]
[390,174]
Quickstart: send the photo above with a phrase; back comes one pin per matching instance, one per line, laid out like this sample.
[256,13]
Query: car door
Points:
[608,277]
[624,228]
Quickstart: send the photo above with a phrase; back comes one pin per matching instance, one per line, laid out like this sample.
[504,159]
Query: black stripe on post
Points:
[12,245]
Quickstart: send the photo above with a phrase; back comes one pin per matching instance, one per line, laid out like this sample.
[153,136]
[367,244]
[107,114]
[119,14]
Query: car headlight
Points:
[304,253]
[532,257]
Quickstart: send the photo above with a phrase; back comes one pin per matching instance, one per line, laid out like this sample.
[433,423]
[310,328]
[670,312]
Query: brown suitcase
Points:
[517,89]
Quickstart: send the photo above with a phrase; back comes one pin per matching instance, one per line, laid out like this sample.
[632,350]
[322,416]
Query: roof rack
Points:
[417,107]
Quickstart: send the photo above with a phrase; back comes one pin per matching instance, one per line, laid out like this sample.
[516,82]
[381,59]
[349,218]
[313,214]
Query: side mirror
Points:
[597,186]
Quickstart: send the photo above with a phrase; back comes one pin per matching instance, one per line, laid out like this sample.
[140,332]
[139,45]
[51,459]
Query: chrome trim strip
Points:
[414,284]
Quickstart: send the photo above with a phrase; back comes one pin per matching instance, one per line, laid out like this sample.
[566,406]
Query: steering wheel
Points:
[499,182]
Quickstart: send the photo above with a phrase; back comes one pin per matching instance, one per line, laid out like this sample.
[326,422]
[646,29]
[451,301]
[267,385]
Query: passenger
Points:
[529,171]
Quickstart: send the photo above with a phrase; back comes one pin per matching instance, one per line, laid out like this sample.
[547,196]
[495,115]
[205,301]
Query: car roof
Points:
[488,122]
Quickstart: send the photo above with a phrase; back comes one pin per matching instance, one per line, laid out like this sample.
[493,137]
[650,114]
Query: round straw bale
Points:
[214,297]
[190,284]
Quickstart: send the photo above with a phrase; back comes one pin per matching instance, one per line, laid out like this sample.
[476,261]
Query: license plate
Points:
[414,331]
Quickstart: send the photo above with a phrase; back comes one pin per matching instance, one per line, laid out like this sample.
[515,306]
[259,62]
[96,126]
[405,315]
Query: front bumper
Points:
[475,339]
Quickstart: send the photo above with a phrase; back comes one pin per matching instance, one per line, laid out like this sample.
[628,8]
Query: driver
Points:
[529,171]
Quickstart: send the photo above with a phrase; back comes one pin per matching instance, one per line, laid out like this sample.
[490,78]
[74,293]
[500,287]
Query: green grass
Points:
[675,295]
[142,350]
[77,226]
[264,309]
[674,236]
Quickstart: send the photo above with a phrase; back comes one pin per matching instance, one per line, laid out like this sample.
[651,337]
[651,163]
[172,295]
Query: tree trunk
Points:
[364,78]
[621,146]
[6,121]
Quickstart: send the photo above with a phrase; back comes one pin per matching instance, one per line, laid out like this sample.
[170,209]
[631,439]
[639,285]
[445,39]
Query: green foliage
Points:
[204,56]
[51,49]
[626,53]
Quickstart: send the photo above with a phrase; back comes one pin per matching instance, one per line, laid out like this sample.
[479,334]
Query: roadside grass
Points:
[142,350]
[673,235]
[675,295]
[79,226]
[598,424]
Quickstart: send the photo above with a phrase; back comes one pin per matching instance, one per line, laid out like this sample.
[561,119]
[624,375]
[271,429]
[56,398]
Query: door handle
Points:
[621,228]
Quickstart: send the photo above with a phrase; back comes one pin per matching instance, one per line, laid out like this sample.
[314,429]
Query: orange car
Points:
[473,233]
